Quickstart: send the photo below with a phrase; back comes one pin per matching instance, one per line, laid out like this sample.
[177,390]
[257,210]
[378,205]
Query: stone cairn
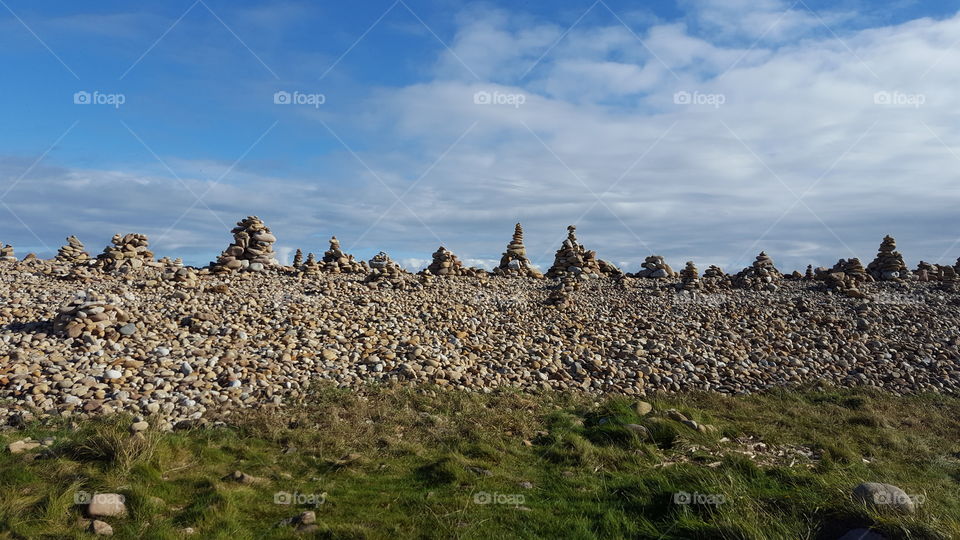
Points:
[514,261]
[760,275]
[127,252]
[311,267]
[338,262]
[845,277]
[559,297]
[655,267]
[297,259]
[573,258]
[384,270]
[949,279]
[445,263]
[6,253]
[251,250]
[690,278]
[715,279]
[809,275]
[73,252]
[174,272]
[889,263]
[89,314]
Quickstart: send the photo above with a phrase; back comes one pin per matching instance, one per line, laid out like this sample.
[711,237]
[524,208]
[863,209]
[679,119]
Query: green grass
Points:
[401,463]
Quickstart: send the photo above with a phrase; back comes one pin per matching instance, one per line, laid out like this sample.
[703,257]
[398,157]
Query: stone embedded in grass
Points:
[674,414]
[882,496]
[101,528]
[22,446]
[243,478]
[641,431]
[107,504]
[642,408]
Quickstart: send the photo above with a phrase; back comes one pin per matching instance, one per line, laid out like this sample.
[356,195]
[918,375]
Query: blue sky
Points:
[812,128]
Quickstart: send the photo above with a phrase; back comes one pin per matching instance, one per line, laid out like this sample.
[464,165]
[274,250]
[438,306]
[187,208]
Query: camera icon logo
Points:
[281,97]
[81,98]
[282,497]
[682,98]
[682,497]
[882,98]
[482,98]
[82,497]
[481,497]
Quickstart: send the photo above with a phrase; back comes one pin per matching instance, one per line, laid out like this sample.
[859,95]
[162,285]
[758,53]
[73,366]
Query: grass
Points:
[414,462]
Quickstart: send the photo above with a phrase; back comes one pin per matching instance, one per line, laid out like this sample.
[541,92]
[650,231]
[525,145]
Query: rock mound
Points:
[888,265]
[655,267]
[338,262]
[758,276]
[251,250]
[127,252]
[89,314]
[73,253]
[573,259]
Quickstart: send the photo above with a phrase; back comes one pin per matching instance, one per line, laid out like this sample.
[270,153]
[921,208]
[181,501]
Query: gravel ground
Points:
[172,347]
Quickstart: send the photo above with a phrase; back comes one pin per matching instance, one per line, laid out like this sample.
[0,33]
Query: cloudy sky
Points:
[700,130]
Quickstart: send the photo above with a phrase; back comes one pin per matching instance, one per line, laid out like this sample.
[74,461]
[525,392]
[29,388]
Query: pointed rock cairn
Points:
[809,275]
[127,252]
[297,259]
[655,267]
[338,262]
[514,261]
[89,314]
[889,263]
[445,263]
[383,269]
[6,253]
[690,278]
[251,250]
[311,267]
[760,275]
[573,258]
[73,252]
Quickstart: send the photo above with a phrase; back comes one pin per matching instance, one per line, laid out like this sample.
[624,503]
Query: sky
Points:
[703,130]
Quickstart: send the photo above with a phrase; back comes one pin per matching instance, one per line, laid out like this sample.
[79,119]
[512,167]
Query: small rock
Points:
[22,446]
[101,528]
[642,408]
[884,496]
[128,329]
[107,504]
[641,431]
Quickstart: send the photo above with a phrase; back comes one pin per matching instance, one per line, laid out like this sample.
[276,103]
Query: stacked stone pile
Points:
[174,272]
[251,250]
[6,253]
[809,275]
[846,277]
[89,314]
[655,267]
[714,271]
[514,261]
[889,263]
[338,262]
[127,252]
[690,278]
[297,259]
[573,258]
[73,253]
[311,267]
[760,275]
[560,296]
[384,270]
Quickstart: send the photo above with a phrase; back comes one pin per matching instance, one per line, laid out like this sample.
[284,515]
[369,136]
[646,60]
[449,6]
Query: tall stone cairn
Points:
[6,253]
[251,250]
[127,252]
[809,275]
[336,261]
[655,267]
[690,277]
[760,275]
[297,259]
[889,263]
[73,252]
[573,258]
[514,261]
